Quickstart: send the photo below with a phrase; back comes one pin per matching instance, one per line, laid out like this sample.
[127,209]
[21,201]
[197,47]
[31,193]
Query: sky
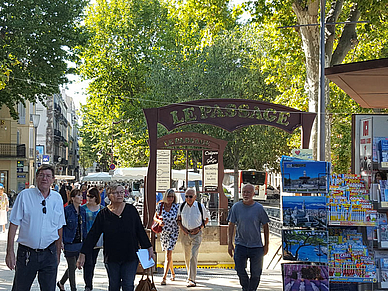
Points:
[77,88]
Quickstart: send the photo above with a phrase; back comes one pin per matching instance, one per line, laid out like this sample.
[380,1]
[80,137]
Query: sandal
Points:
[172,278]
[163,282]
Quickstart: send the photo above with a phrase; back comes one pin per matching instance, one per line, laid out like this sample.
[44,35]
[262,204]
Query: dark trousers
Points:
[90,263]
[30,262]
[70,271]
[255,256]
[121,275]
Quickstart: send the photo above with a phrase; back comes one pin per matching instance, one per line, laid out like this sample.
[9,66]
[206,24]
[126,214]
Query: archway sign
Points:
[229,114]
[210,147]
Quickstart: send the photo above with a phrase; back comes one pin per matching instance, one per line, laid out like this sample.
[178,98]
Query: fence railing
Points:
[9,150]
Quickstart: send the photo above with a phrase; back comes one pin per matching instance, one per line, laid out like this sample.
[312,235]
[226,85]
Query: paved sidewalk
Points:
[207,279]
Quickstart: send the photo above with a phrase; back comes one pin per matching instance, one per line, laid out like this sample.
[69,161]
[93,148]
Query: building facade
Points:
[44,133]
[58,137]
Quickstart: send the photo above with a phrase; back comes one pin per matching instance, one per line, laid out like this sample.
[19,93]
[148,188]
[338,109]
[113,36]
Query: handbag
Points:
[156,227]
[145,284]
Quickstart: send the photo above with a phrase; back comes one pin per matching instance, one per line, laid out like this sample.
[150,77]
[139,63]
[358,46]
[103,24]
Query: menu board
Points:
[163,170]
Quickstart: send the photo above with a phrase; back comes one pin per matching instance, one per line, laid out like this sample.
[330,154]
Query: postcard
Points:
[304,211]
[305,245]
[305,277]
[303,176]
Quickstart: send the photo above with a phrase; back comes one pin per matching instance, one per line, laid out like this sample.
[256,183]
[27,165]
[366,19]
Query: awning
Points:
[365,82]
[97,177]
[64,177]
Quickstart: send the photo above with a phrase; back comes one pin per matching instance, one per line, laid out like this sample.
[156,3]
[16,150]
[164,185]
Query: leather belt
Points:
[37,250]
[196,228]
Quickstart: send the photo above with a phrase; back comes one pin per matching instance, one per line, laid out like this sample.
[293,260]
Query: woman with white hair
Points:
[123,234]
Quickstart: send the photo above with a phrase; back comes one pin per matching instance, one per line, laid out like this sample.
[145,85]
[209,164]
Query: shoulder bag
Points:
[145,284]
[156,227]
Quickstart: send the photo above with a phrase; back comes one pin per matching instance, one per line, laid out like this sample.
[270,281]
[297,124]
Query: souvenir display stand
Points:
[351,257]
[378,235]
[340,246]
[304,214]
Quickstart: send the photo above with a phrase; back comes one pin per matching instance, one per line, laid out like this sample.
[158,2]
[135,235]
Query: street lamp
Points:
[35,122]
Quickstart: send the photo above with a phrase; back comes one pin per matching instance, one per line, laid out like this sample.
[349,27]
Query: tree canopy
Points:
[293,66]
[36,37]
[144,54]
[193,56]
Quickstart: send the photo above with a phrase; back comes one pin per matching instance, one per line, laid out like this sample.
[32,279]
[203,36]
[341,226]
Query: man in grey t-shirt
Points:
[247,216]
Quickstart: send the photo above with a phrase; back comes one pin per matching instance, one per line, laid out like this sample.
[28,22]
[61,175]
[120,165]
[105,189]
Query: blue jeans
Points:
[121,275]
[255,256]
[90,263]
[29,263]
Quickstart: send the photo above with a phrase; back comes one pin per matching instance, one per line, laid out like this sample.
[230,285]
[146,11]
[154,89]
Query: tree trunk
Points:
[310,44]
[308,14]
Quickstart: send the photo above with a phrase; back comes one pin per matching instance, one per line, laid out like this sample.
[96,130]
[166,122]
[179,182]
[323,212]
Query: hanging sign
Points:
[163,170]
[210,170]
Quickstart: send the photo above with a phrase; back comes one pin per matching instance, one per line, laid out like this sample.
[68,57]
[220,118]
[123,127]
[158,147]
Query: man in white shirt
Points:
[39,213]
[192,217]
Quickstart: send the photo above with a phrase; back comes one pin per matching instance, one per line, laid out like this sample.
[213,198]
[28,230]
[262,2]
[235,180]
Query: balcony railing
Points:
[8,150]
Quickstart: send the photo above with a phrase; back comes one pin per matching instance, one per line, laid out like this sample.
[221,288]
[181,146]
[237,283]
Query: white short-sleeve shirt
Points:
[191,216]
[37,230]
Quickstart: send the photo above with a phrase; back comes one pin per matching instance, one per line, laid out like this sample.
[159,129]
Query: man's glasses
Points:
[90,196]
[48,176]
[189,196]
[118,193]
[44,206]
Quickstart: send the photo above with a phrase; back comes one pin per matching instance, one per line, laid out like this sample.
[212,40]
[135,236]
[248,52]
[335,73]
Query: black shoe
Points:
[60,286]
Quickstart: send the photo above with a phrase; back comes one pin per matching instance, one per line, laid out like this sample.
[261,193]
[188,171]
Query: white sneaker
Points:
[191,284]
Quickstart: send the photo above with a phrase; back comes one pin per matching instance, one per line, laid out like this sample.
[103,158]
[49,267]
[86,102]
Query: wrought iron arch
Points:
[229,114]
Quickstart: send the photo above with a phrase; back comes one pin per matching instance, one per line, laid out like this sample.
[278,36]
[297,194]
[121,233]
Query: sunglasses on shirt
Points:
[44,206]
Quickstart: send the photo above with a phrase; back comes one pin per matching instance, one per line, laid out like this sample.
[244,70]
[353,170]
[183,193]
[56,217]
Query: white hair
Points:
[191,189]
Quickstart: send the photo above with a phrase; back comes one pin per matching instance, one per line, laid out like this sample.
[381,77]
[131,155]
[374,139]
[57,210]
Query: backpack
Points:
[200,210]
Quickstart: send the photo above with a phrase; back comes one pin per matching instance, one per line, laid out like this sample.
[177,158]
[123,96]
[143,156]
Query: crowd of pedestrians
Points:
[81,220]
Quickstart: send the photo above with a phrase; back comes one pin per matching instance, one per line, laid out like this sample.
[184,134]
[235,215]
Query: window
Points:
[22,113]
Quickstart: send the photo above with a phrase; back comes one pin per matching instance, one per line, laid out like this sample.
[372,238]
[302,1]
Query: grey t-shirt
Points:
[248,221]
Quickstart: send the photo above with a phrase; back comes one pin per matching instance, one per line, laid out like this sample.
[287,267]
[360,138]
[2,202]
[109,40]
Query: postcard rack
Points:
[304,234]
[335,236]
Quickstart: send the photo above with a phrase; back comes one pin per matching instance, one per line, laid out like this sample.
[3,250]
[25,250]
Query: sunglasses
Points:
[90,196]
[189,196]
[44,206]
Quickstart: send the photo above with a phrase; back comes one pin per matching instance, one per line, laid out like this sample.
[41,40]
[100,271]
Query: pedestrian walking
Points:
[74,233]
[92,208]
[168,209]
[39,215]
[247,217]
[123,233]
[101,190]
[63,192]
[192,218]
[4,205]
[84,190]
